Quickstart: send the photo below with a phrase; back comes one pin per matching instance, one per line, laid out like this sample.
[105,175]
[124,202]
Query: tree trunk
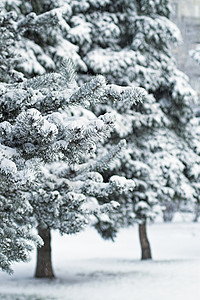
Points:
[145,246]
[44,266]
[169,212]
[196,212]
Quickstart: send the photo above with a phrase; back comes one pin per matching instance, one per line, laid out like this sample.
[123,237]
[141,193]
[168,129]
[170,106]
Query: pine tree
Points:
[32,132]
[130,43]
[39,126]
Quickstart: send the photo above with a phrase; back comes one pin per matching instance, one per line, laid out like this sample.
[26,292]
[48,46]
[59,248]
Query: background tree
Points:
[130,42]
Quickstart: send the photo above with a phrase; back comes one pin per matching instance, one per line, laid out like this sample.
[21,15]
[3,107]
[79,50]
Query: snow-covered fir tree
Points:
[38,126]
[33,129]
[130,43]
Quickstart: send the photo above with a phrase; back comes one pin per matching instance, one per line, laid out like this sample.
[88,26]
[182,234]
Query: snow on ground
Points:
[89,268]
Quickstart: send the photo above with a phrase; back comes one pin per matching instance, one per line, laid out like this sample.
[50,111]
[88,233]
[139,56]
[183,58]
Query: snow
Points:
[88,268]
[8,166]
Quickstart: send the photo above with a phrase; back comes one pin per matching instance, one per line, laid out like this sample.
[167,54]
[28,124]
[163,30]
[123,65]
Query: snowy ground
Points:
[89,268]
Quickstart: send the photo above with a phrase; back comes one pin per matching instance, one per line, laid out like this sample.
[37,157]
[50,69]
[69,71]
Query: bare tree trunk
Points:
[145,246]
[44,266]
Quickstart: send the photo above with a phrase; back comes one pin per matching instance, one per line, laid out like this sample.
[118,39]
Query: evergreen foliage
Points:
[8,60]
[195,54]
[130,43]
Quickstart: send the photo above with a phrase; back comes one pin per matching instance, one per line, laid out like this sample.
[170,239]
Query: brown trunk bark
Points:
[44,266]
[145,246]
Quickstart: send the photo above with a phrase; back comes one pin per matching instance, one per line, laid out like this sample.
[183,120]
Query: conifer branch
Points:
[67,70]
[126,96]
[103,162]
[51,80]
[90,92]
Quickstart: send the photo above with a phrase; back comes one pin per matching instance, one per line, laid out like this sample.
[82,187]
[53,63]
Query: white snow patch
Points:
[89,268]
